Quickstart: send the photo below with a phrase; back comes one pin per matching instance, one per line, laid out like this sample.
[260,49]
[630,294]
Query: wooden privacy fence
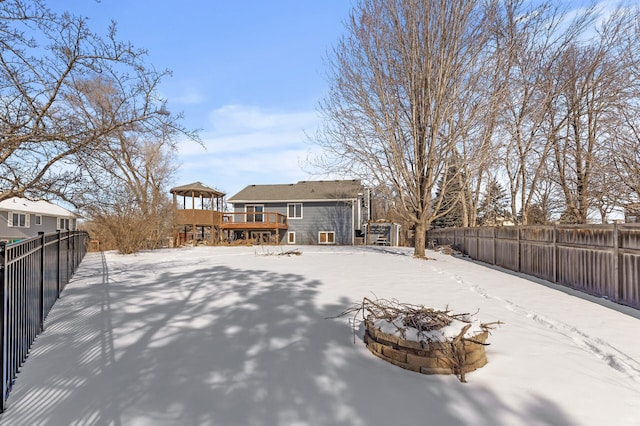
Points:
[603,260]
[33,272]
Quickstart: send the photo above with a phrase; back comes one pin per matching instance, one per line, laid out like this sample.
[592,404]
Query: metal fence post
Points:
[69,268]
[59,268]
[42,273]
[3,328]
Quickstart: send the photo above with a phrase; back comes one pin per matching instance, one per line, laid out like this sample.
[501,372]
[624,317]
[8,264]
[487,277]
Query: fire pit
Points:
[458,355]
[424,340]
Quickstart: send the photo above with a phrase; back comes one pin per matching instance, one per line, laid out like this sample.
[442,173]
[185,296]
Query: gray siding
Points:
[317,216]
[323,216]
[49,224]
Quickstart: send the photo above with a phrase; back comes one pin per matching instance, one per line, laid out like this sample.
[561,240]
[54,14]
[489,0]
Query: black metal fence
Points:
[603,260]
[33,272]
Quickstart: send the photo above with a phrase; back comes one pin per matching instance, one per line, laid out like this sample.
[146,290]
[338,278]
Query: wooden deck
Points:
[253,221]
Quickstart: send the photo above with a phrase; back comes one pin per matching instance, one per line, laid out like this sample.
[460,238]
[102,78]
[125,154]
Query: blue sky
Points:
[249,74]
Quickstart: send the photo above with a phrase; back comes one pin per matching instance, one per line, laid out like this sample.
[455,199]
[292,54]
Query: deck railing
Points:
[254,218]
[33,272]
[198,217]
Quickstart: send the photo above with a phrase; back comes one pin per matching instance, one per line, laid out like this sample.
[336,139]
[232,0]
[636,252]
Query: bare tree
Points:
[624,136]
[533,39]
[625,149]
[128,199]
[595,82]
[398,107]
[50,67]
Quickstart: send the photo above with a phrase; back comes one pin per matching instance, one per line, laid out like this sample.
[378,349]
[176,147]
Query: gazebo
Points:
[197,214]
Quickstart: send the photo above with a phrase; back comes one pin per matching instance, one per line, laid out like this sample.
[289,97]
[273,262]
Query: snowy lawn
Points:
[230,336]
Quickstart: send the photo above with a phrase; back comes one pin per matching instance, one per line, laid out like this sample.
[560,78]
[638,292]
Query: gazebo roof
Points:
[197,189]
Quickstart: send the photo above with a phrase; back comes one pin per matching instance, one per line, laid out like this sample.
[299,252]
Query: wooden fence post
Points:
[519,253]
[495,244]
[555,253]
[617,270]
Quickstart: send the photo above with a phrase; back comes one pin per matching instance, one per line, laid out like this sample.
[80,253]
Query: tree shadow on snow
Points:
[226,346]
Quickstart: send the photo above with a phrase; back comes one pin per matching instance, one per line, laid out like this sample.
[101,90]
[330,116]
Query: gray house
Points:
[21,218]
[307,212]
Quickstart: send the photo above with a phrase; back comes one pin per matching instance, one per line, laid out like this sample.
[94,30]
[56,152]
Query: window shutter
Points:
[10,219]
[57,223]
[27,220]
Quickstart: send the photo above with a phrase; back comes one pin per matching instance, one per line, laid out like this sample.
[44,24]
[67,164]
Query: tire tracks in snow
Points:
[602,350]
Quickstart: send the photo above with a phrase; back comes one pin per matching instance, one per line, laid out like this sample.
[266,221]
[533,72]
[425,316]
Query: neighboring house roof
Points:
[321,190]
[196,189]
[42,207]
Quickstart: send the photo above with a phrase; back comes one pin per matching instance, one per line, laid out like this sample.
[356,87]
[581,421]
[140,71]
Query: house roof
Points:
[24,205]
[196,189]
[319,190]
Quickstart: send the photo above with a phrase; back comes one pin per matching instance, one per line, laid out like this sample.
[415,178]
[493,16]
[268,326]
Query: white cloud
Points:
[190,97]
[184,94]
[233,119]
[237,129]
[248,145]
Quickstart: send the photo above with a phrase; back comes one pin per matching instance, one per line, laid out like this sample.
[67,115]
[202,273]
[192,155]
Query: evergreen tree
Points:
[568,217]
[537,215]
[493,205]
[450,213]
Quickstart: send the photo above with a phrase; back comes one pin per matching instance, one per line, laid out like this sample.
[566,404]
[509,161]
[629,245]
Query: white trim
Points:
[301,211]
[327,232]
[289,234]
[291,200]
[38,220]
[61,222]
[11,223]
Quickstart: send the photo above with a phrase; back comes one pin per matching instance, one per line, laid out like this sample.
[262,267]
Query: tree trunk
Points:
[420,239]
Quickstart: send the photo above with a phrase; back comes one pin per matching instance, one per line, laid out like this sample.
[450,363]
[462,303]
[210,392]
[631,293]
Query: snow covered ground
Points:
[239,336]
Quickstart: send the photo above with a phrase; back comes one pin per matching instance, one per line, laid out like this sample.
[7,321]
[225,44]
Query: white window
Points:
[254,213]
[326,237]
[63,223]
[291,237]
[38,220]
[18,220]
[294,211]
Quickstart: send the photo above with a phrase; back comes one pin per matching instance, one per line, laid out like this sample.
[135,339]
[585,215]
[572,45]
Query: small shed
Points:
[197,214]
[382,233]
